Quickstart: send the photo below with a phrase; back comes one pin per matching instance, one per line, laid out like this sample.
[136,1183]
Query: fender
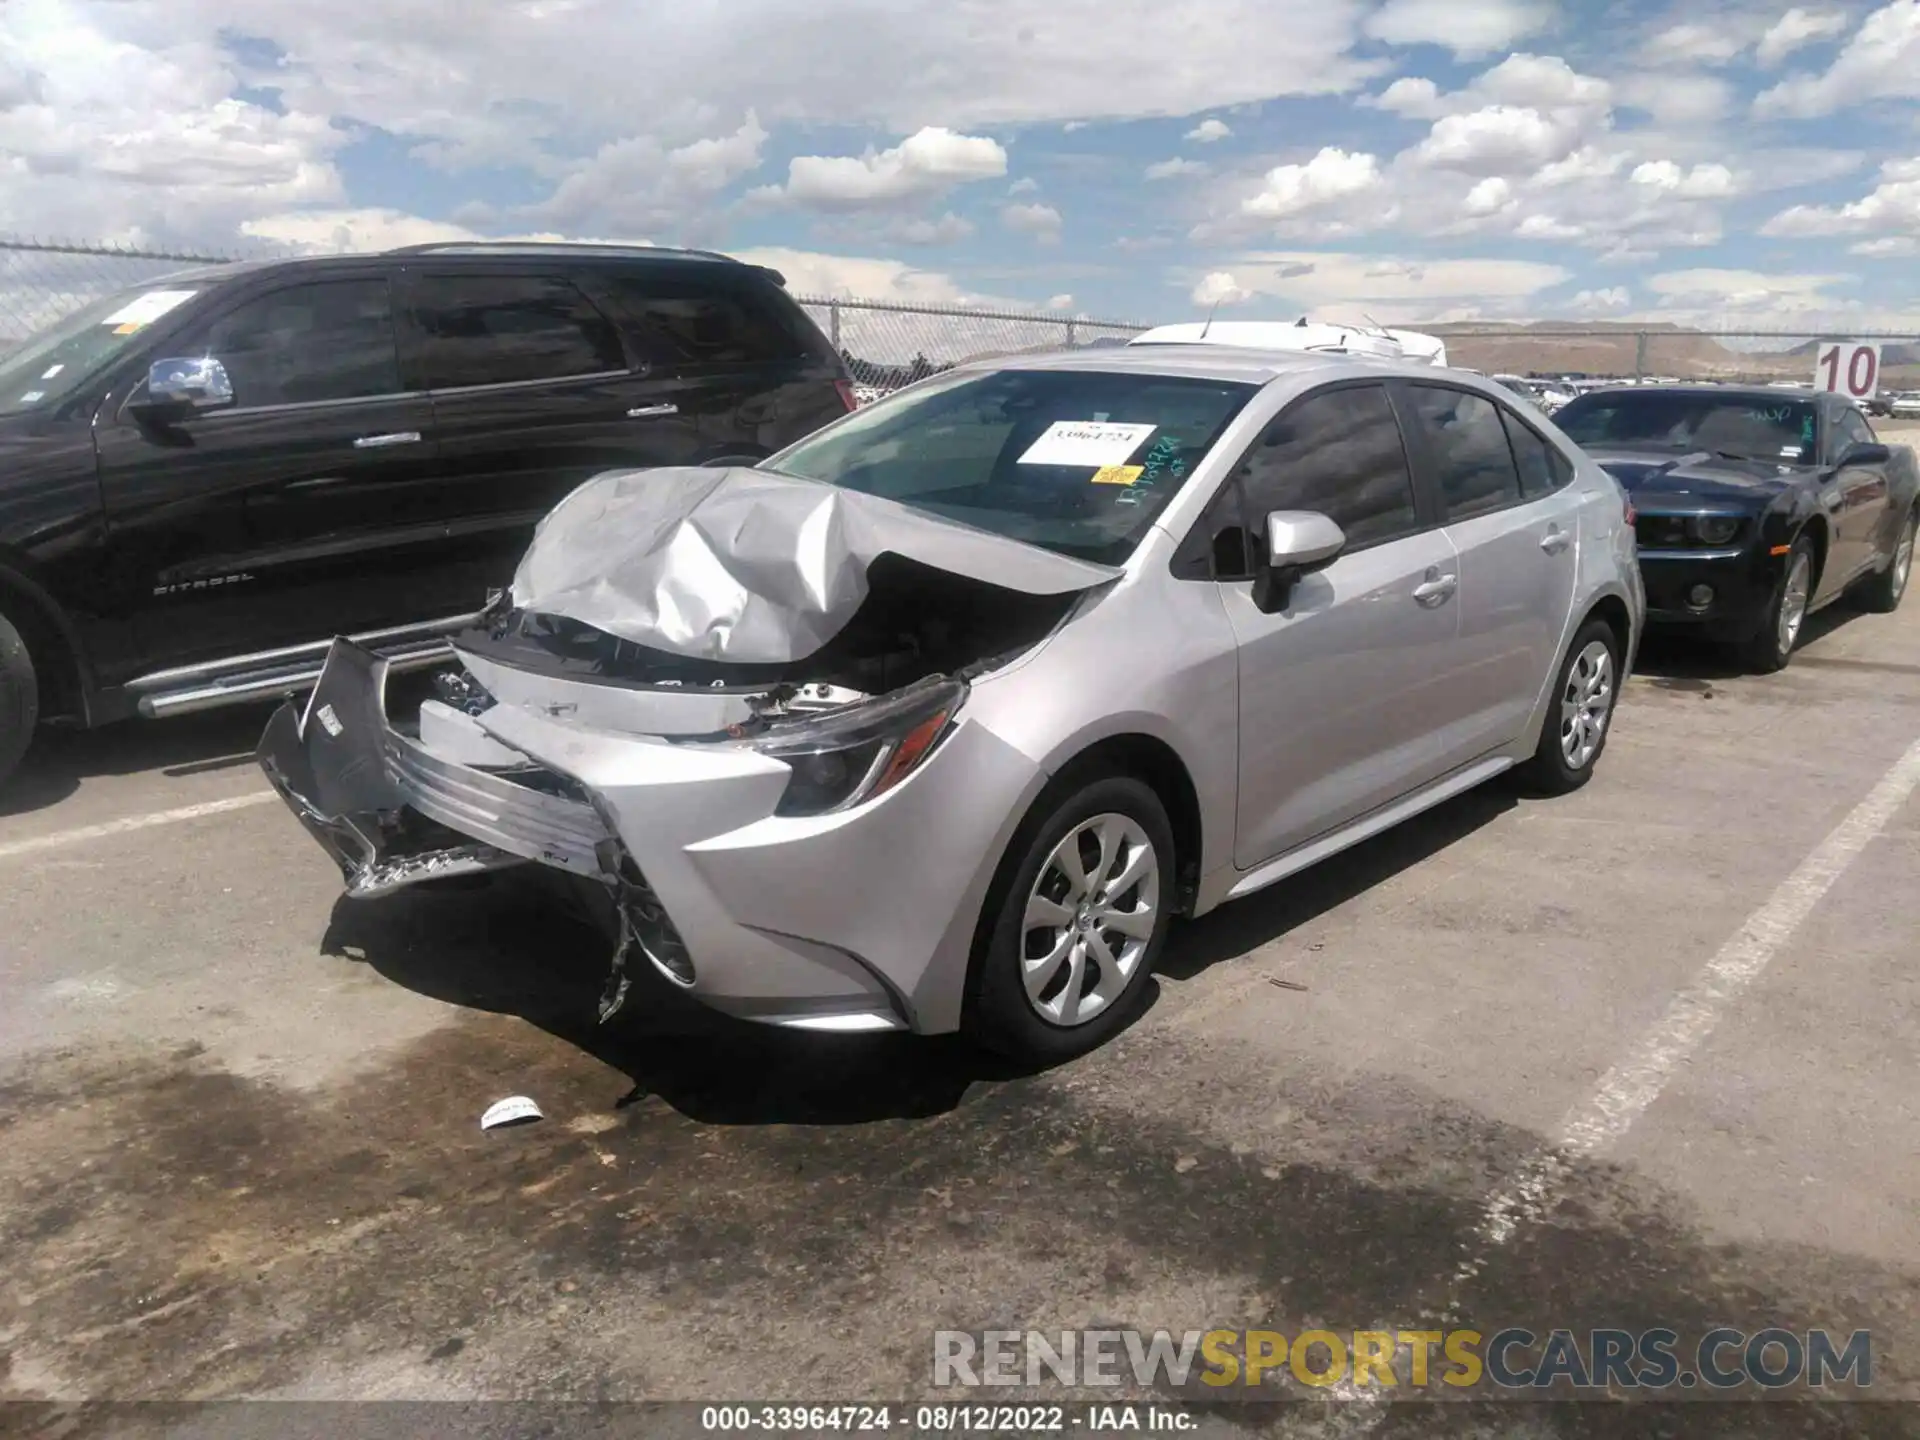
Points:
[14,579]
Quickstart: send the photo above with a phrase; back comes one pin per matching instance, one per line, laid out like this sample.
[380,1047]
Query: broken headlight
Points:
[848,756]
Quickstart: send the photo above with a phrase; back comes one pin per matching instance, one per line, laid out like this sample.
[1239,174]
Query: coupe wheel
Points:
[1882,592]
[1585,693]
[1074,922]
[19,699]
[1772,647]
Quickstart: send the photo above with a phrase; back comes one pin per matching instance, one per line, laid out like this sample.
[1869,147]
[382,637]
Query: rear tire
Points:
[19,699]
[1050,979]
[1770,650]
[1580,716]
[1882,593]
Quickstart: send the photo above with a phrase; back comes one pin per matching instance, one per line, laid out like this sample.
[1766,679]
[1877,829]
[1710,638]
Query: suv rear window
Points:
[499,329]
[680,323]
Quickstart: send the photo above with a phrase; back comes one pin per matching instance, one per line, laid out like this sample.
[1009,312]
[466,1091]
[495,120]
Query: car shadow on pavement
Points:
[1244,925]
[61,759]
[508,945]
[1677,662]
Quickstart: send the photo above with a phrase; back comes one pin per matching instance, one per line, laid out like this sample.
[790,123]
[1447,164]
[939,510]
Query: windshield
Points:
[1745,426]
[60,358]
[1077,462]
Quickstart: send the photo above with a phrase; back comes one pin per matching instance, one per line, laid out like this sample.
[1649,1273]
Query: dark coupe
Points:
[1755,507]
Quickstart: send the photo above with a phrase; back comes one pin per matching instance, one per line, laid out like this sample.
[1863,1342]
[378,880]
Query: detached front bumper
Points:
[857,920]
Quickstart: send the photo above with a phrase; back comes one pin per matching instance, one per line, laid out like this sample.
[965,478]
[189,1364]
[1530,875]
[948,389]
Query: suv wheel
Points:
[1074,923]
[1770,650]
[19,698]
[1575,734]
[1882,592]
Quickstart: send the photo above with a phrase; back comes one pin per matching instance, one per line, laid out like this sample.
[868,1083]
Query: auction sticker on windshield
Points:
[1094,444]
[147,308]
[1118,474]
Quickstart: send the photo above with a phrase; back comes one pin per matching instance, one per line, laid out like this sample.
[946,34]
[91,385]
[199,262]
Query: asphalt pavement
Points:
[1643,1056]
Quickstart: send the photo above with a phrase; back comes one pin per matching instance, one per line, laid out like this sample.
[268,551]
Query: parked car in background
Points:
[1755,507]
[209,477]
[934,719]
[1906,405]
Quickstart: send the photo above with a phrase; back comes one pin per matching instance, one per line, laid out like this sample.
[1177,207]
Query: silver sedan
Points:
[937,719]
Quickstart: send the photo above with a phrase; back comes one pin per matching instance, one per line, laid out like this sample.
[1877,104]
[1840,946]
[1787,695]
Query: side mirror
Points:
[1298,543]
[185,386]
[1865,452]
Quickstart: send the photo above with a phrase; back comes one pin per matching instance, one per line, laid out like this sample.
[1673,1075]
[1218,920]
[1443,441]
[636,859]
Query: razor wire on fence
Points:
[889,344]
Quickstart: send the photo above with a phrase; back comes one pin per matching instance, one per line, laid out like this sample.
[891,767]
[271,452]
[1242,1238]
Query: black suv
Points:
[205,479]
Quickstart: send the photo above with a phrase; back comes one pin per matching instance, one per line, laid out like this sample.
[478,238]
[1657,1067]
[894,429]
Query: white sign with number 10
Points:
[1847,367]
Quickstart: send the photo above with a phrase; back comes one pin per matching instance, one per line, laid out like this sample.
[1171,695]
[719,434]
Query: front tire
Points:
[19,699]
[1074,922]
[1771,649]
[1581,717]
[1883,592]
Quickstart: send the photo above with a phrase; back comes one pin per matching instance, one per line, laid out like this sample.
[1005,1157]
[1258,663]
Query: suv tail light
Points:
[845,387]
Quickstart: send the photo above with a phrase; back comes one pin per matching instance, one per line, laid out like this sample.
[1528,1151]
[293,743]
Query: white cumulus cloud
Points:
[1176,167]
[1795,29]
[1332,174]
[1207,132]
[1042,222]
[1219,288]
[931,161]
[1469,28]
[1880,62]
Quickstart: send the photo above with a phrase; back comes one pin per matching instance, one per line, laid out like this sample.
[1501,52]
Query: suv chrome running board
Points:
[283,673]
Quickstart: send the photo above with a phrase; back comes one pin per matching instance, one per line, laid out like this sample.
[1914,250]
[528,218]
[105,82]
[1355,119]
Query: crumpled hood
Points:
[745,565]
[1696,478]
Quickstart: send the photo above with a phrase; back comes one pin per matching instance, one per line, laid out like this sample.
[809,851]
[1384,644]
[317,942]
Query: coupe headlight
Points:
[1715,529]
[848,756]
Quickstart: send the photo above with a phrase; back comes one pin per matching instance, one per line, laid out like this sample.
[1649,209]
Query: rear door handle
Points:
[1555,540]
[1833,501]
[648,412]
[1437,591]
[392,437]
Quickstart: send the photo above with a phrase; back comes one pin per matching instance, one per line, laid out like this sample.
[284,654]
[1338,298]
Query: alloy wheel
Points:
[1089,919]
[1793,603]
[1586,705]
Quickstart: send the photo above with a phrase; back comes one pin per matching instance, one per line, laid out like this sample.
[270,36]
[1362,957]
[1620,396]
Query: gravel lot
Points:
[239,1116]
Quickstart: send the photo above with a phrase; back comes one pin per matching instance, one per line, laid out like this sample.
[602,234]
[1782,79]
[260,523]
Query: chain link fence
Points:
[889,344]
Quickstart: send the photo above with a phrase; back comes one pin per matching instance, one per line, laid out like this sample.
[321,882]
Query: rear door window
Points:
[508,329]
[329,340]
[1542,468]
[1471,457]
[1338,452]
[680,323]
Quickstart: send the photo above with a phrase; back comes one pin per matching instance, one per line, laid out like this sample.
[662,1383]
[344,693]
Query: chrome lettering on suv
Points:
[208,583]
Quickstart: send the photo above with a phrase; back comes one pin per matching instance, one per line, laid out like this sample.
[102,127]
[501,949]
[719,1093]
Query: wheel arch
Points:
[53,644]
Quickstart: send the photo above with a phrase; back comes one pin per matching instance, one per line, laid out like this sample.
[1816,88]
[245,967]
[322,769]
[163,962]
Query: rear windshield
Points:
[1072,461]
[1747,427]
[48,367]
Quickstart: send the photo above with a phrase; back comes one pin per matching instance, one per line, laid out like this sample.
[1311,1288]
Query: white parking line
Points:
[133,822]
[1625,1091]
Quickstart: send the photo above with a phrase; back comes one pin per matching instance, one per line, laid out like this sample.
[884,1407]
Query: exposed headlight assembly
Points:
[1715,529]
[848,756]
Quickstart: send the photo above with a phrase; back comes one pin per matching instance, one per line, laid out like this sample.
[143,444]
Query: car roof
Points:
[1216,362]
[1736,392]
[479,254]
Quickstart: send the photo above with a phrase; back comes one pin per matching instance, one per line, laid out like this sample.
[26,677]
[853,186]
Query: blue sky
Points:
[1735,165]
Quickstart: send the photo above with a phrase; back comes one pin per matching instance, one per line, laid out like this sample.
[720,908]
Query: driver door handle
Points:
[648,412]
[1436,591]
[392,437]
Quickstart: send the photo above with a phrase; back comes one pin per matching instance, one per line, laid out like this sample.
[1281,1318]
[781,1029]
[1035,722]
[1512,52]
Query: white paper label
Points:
[147,308]
[330,722]
[1090,443]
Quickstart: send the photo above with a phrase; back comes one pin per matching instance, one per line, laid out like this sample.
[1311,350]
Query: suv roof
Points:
[483,250]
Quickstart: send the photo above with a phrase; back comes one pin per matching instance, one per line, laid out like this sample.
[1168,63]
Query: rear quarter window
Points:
[679,322]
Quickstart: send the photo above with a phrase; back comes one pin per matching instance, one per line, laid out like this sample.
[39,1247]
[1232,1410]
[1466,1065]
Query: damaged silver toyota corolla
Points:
[935,719]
